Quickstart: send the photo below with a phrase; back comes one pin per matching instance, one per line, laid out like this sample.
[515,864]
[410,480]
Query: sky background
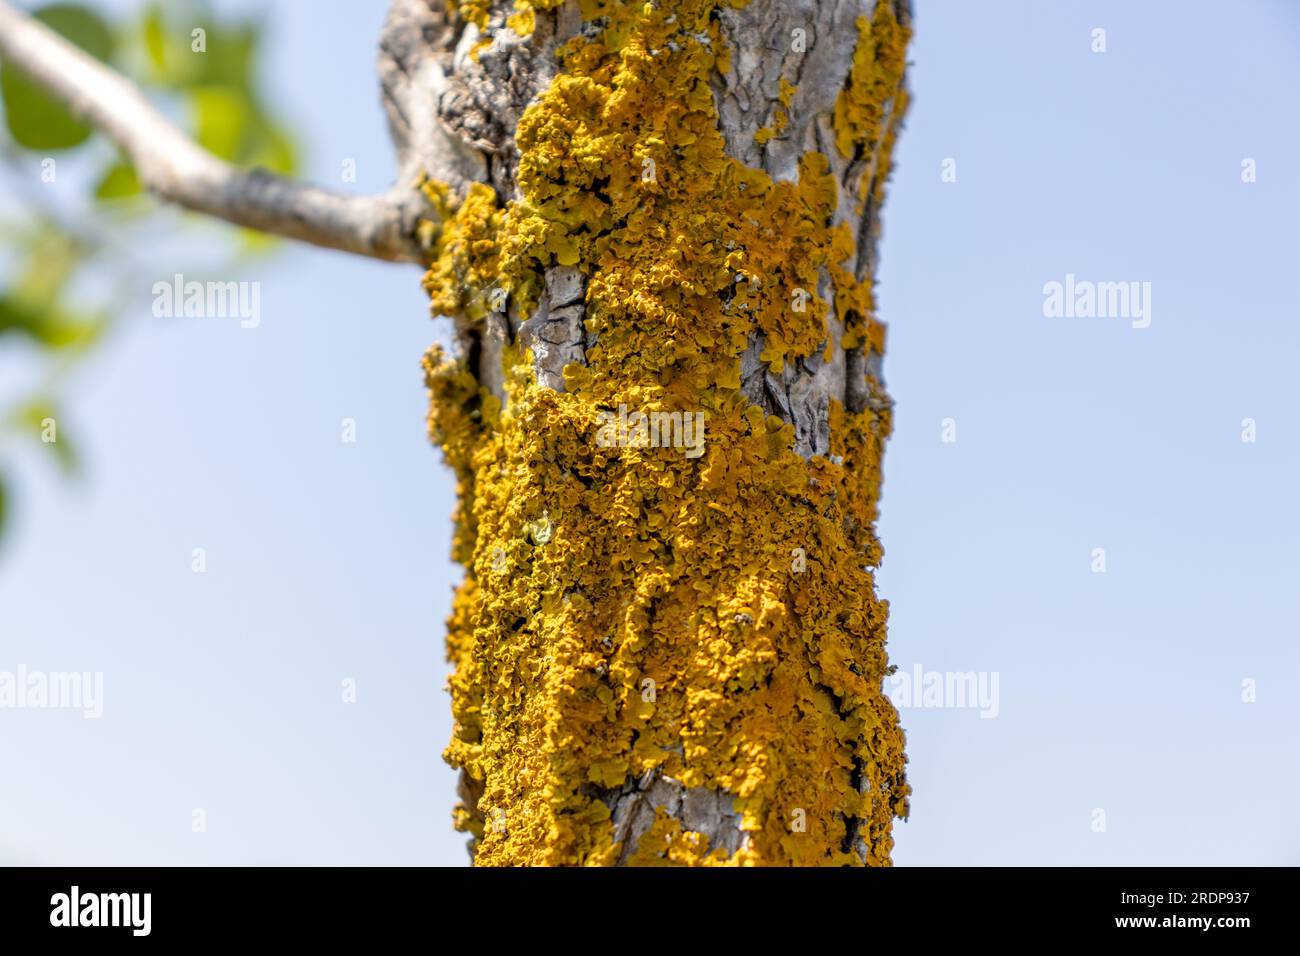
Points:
[327,561]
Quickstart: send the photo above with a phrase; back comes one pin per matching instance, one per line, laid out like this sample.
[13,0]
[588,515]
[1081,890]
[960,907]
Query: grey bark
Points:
[478,103]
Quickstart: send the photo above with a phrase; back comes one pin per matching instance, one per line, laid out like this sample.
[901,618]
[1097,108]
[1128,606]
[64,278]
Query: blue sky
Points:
[327,561]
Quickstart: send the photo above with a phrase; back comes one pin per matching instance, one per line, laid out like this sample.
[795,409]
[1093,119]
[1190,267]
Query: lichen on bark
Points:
[670,655]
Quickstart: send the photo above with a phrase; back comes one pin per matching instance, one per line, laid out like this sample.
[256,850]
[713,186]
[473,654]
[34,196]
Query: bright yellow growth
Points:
[632,608]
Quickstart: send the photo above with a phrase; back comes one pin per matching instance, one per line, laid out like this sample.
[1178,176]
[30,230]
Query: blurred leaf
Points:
[65,331]
[16,316]
[40,420]
[51,258]
[35,301]
[65,454]
[227,116]
[155,38]
[230,55]
[274,148]
[166,30]
[35,119]
[222,117]
[52,328]
[119,182]
[256,243]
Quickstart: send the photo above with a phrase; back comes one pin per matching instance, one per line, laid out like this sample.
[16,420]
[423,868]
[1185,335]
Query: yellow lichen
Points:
[861,111]
[523,21]
[635,608]
[465,277]
[781,116]
[475,11]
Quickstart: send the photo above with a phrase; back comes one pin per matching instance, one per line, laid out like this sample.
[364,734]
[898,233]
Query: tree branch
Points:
[176,169]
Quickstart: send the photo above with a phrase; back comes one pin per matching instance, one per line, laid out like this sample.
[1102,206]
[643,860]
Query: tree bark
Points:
[666,650]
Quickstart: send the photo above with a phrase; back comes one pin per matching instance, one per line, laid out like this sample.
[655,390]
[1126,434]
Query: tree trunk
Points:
[666,418]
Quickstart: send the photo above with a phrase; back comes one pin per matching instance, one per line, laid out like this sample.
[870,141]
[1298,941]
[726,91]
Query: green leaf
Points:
[230,55]
[167,31]
[273,148]
[4,505]
[52,257]
[50,327]
[34,118]
[17,316]
[118,182]
[65,453]
[222,117]
[40,420]
[155,38]
[254,243]
[64,331]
